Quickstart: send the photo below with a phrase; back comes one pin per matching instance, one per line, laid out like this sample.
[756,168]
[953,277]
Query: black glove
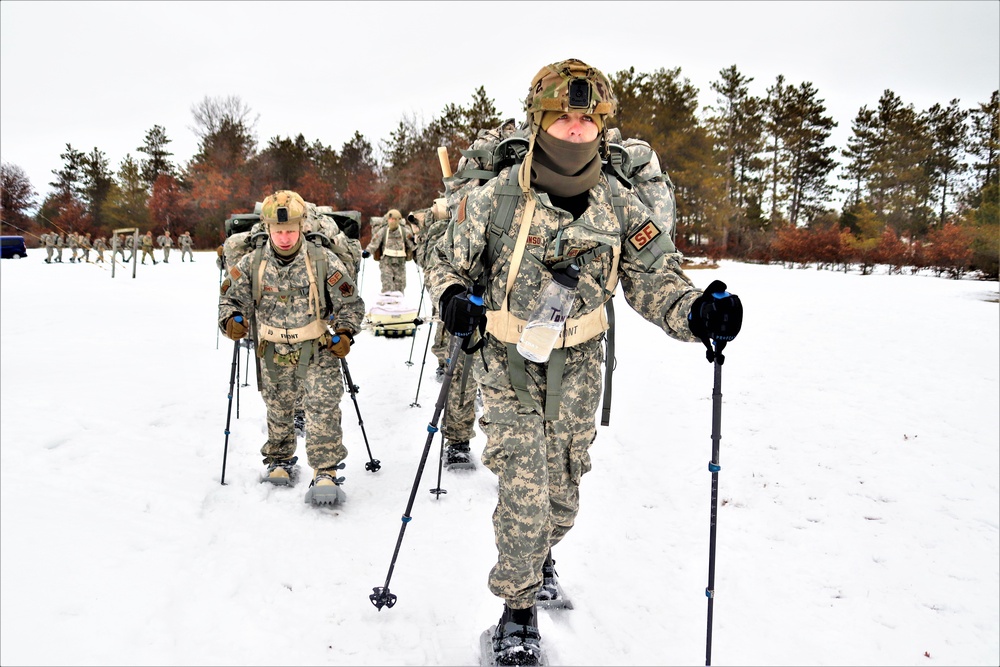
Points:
[717,316]
[462,312]
[365,254]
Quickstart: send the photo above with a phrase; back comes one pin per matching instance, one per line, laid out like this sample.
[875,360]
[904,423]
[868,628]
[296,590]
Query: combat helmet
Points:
[570,85]
[283,208]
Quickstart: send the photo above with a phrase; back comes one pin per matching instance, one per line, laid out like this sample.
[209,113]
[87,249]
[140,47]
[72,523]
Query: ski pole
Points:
[381,597]
[714,468]
[373,464]
[229,411]
[420,378]
[246,375]
[237,385]
[409,362]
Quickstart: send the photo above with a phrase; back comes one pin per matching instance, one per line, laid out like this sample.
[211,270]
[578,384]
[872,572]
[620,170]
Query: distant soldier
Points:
[100,245]
[147,247]
[119,248]
[165,243]
[391,247]
[185,240]
[59,247]
[85,247]
[130,246]
[50,246]
[73,243]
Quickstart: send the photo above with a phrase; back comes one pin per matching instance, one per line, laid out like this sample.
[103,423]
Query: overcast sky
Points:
[101,74]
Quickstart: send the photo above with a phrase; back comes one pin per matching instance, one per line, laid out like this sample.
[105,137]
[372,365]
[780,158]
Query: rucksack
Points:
[631,164]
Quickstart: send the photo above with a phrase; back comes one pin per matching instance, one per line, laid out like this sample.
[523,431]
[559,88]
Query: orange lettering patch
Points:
[641,238]
[534,240]
[332,280]
[460,215]
[235,273]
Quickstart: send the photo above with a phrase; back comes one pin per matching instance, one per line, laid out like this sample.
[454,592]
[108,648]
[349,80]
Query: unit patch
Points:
[226,284]
[647,233]
[235,273]
[346,289]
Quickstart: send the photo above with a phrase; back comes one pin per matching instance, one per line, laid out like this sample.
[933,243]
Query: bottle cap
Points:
[568,277]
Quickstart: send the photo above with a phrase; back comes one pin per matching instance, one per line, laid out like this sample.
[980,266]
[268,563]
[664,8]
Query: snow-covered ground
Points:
[858,519]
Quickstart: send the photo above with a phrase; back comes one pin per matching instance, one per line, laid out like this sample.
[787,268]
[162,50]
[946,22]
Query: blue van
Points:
[12,246]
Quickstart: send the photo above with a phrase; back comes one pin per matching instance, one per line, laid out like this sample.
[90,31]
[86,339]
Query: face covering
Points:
[286,256]
[564,168]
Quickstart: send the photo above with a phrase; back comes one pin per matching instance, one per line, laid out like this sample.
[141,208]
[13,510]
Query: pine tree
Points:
[97,180]
[126,204]
[157,162]
[806,134]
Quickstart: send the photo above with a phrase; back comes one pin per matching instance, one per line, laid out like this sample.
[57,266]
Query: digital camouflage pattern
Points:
[391,248]
[539,462]
[322,384]
[185,241]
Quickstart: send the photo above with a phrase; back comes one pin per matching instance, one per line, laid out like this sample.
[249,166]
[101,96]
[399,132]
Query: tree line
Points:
[752,174]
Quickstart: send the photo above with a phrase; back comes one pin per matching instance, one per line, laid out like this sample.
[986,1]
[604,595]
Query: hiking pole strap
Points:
[609,363]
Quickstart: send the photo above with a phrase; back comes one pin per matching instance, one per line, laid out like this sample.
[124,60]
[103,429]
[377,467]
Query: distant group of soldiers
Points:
[81,243]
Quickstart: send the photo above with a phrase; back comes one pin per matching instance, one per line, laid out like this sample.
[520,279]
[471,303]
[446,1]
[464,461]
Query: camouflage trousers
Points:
[441,341]
[322,388]
[538,462]
[166,253]
[147,253]
[393,273]
[460,406]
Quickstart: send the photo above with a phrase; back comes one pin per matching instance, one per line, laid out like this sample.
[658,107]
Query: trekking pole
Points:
[373,464]
[246,375]
[714,468]
[420,379]
[409,362]
[381,597]
[361,280]
[237,385]
[229,411]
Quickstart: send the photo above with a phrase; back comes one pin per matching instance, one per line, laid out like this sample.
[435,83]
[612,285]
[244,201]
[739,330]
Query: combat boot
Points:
[516,640]
[457,456]
[281,472]
[325,487]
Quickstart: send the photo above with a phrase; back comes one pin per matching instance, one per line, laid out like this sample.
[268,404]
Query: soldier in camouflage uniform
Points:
[59,247]
[537,444]
[185,241]
[50,245]
[295,289]
[391,247]
[85,247]
[73,244]
[147,247]
[165,243]
[460,407]
[100,245]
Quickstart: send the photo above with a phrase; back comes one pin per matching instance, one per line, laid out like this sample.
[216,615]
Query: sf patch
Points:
[332,280]
[646,233]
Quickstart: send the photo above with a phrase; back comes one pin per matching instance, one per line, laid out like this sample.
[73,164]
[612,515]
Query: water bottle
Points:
[548,319]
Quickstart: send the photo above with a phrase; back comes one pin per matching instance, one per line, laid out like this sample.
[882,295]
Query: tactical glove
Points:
[462,311]
[341,343]
[236,327]
[717,316]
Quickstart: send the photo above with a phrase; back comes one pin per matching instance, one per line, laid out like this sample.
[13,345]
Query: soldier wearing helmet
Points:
[392,245]
[568,212]
[303,308]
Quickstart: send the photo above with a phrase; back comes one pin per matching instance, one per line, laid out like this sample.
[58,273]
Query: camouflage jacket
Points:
[100,244]
[72,242]
[342,306]
[164,241]
[648,266]
[385,240]
[185,241]
[147,242]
